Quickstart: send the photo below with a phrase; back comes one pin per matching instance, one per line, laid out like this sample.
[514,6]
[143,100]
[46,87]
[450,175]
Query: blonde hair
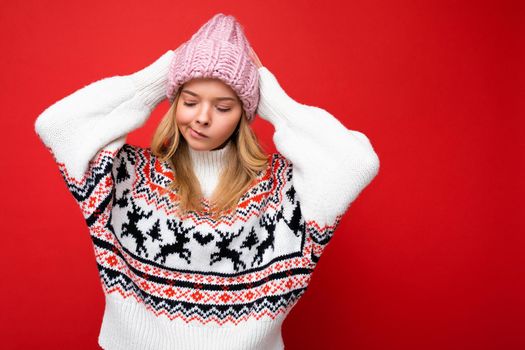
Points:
[243,162]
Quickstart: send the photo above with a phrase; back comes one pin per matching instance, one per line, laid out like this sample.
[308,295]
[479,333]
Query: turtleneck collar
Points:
[207,165]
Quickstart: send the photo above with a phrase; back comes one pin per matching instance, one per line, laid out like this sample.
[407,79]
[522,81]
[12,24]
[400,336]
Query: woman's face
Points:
[210,107]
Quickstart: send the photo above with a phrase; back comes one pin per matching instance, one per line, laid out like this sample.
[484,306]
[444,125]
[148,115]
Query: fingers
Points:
[254,58]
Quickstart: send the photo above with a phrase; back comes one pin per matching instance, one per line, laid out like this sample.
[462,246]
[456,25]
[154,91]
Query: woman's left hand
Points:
[254,58]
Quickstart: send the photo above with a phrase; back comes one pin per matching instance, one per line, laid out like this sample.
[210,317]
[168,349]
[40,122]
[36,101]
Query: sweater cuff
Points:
[151,82]
[275,105]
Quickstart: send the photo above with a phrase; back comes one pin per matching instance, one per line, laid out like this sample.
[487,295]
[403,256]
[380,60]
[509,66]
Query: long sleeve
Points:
[86,130]
[331,164]
[100,115]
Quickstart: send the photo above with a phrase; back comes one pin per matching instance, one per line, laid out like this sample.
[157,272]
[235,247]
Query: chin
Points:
[198,147]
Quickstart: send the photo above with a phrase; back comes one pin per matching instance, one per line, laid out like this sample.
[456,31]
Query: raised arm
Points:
[331,164]
[100,115]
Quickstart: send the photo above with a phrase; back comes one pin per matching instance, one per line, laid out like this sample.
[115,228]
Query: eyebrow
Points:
[217,98]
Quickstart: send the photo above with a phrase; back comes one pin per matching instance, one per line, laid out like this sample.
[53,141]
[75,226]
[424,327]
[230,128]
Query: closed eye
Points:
[220,109]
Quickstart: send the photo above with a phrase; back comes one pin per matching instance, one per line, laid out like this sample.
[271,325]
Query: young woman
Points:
[202,240]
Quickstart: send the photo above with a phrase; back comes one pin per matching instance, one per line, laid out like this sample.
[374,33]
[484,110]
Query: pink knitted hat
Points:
[219,49]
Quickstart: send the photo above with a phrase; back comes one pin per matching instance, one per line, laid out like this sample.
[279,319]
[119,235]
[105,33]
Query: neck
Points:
[207,166]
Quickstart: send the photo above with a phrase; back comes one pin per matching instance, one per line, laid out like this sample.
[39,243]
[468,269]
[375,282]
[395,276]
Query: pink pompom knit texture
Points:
[219,49]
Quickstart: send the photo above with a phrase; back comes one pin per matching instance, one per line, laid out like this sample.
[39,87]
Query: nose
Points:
[203,116]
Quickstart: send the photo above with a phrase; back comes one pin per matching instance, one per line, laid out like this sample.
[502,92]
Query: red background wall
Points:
[430,256]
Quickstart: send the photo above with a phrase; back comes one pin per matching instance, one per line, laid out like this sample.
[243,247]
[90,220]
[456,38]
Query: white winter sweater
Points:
[191,282]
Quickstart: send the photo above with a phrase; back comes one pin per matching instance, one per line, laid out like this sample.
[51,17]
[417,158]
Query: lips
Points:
[200,133]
